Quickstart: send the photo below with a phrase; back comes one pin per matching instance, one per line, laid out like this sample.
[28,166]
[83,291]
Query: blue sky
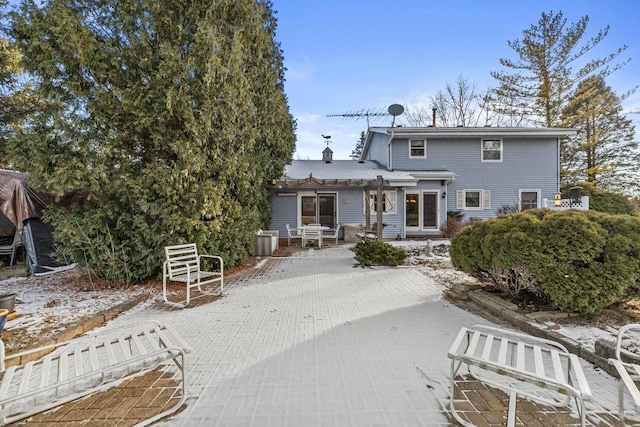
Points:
[347,56]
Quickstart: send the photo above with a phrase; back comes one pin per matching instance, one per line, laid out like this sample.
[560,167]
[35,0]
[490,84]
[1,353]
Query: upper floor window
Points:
[491,150]
[417,148]
[473,199]
[529,199]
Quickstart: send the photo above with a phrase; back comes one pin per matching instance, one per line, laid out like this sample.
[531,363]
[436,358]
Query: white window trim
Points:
[529,190]
[420,194]
[424,156]
[312,193]
[485,199]
[391,195]
[482,150]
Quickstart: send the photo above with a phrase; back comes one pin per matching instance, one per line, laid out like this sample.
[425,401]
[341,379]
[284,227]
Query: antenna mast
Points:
[362,113]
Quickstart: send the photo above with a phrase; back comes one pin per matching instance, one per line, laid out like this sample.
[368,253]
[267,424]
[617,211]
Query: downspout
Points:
[390,151]
[558,166]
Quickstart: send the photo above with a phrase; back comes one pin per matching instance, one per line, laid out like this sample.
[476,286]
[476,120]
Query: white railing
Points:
[566,204]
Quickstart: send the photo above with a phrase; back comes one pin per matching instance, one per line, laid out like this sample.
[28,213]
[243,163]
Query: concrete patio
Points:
[311,340]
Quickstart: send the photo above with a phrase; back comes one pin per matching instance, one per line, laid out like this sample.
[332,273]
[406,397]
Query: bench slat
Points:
[486,353]
[557,366]
[93,357]
[474,343]
[62,367]
[153,341]
[6,381]
[520,357]
[139,345]
[583,385]
[502,354]
[124,346]
[77,362]
[25,378]
[110,354]
[539,362]
[46,371]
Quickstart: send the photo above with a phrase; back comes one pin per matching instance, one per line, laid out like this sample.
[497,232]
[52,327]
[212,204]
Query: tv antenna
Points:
[327,139]
[361,113]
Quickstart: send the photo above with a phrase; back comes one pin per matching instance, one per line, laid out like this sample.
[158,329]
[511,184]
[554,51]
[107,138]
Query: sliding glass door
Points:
[318,208]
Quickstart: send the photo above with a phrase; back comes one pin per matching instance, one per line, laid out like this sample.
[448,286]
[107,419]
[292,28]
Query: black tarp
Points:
[37,238]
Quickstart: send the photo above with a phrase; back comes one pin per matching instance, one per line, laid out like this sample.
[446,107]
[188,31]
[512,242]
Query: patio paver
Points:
[310,340]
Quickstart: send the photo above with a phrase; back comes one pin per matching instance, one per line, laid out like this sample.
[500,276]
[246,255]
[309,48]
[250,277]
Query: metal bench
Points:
[537,369]
[84,366]
[183,264]
[627,363]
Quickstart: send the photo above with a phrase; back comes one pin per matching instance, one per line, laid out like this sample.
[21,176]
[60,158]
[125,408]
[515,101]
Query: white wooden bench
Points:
[86,365]
[540,370]
[183,264]
[627,363]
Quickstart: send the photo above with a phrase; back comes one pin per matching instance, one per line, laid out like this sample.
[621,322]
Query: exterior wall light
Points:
[557,200]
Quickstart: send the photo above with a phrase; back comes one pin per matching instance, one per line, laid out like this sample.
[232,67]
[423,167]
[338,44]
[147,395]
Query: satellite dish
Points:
[396,109]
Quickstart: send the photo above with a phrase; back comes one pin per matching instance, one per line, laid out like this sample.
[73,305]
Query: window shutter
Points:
[486,199]
[459,199]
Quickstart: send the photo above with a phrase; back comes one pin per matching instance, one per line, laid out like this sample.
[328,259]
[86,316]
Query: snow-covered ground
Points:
[45,305]
[48,304]
[438,265]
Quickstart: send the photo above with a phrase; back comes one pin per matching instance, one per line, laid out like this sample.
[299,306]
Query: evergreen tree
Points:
[356,152]
[169,116]
[604,152]
[539,82]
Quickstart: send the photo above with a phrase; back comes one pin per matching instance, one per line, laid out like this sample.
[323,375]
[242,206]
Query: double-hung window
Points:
[473,199]
[417,148]
[491,150]
[529,199]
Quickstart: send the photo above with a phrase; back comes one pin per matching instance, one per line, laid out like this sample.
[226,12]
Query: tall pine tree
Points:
[537,85]
[604,152]
[169,116]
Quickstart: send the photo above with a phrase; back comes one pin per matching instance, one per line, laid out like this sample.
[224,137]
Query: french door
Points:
[422,210]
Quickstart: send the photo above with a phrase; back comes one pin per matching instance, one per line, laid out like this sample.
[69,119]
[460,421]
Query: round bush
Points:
[379,253]
[584,261]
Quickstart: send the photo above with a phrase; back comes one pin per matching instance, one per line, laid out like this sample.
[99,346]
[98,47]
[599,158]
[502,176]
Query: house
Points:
[420,174]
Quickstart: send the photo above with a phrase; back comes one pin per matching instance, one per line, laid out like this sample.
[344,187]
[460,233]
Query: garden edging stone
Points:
[78,329]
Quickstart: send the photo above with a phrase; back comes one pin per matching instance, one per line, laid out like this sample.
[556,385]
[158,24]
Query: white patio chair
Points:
[292,235]
[310,235]
[331,234]
[627,364]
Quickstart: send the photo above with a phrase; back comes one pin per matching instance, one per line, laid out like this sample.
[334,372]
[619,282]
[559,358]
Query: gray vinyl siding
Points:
[379,149]
[283,211]
[526,164]
[350,212]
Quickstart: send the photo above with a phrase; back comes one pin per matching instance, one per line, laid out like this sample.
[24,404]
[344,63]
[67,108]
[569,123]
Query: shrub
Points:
[582,261]
[507,208]
[379,253]
[451,227]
